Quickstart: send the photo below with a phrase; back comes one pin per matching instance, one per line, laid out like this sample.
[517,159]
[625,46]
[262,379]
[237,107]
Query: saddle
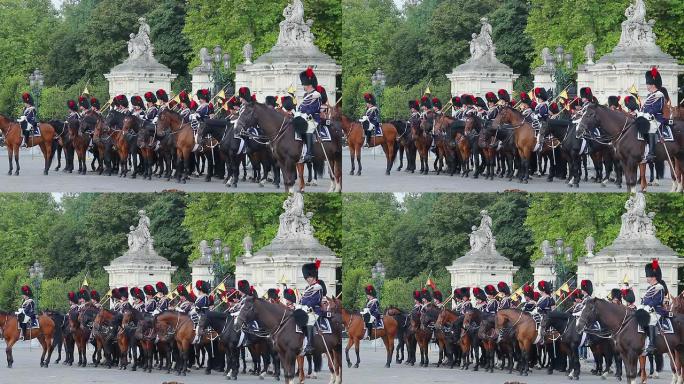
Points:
[665,326]
[33,323]
[323,325]
[664,131]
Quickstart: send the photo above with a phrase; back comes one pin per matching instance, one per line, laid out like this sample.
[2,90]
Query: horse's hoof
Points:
[349,365]
[45,173]
[387,365]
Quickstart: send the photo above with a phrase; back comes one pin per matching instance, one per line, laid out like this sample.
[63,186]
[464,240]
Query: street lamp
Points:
[379,80]
[36,272]
[378,274]
[562,261]
[562,74]
[36,80]
[220,74]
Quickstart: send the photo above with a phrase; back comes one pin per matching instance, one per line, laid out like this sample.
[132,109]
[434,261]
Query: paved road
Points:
[31,179]
[373,179]
[372,371]
[26,370]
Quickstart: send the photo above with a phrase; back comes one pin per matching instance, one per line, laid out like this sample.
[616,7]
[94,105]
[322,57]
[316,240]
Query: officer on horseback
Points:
[152,110]
[465,299]
[150,302]
[184,106]
[27,313]
[203,95]
[437,298]
[372,311]
[28,118]
[123,299]
[273,295]
[201,305]
[83,298]
[163,98]
[310,108]
[530,302]
[95,299]
[480,299]
[546,303]
[162,298]
[371,120]
[457,108]
[138,299]
[505,291]
[184,303]
[492,305]
[652,110]
[73,111]
[310,301]
[653,299]
[542,109]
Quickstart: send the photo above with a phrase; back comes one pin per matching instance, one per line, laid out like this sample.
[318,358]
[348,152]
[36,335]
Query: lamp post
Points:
[36,80]
[562,261]
[36,272]
[220,70]
[215,254]
[378,274]
[379,80]
[562,74]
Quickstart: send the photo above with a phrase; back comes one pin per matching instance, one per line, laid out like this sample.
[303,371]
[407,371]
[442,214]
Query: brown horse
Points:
[356,136]
[9,328]
[449,143]
[281,323]
[49,132]
[171,124]
[356,329]
[450,324]
[176,326]
[622,133]
[78,142]
[521,325]
[105,331]
[511,121]
[81,336]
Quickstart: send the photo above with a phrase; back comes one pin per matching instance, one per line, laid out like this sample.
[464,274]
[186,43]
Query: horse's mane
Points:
[214,315]
[558,315]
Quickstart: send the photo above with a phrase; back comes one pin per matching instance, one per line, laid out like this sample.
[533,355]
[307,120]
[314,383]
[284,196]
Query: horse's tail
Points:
[319,166]
[642,318]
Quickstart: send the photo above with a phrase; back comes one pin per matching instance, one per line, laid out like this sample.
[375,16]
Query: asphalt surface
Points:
[31,179]
[372,371]
[27,370]
[373,179]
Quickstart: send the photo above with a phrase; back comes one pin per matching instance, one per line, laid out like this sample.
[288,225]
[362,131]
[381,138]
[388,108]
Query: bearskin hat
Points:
[84,294]
[137,293]
[417,295]
[628,295]
[426,102]
[503,95]
[615,294]
[161,288]
[370,290]
[137,101]
[162,95]
[503,288]
[456,102]
[528,291]
[270,101]
[479,293]
[436,103]
[311,269]
[308,77]
[457,294]
[413,104]
[95,103]
[323,93]
[149,290]
[369,98]
[490,290]
[577,294]
[273,293]
[425,295]
[253,291]
[184,97]
[193,105]
[122,101]
[631,103]
[491,97]
[123,292]
[150,97]
[586,93]
[27,98]
[535,296]
[467,99]
[83,102]
[72,297]
[614,101]
[243,286]
[94,295]
[26,290]
[289,295]
[545,286]
[203,94]
[525,98]
[288,103]
[437,295]
[233,102]
[203,286]
[245,94]
[481,103]
[653,78]
[554,108]
[115,294]
[182,291]
[587,286]
[653,270]
[465,292]
[72,105]
[540,93]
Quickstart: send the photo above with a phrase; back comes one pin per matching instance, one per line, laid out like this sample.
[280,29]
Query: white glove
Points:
[363,119]
[154,121]
[21,119]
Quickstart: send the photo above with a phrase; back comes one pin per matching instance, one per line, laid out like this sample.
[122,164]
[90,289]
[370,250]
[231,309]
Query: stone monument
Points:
[636,53]
[544,267]
[202,267]
[274,72]
[543,75]
[625,258]
[279,264]
[483,72]
[201,74]
[140,264]
[141,72]
[483,264]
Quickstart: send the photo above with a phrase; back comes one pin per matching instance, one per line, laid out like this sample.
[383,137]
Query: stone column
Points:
[544,267]
[202,268]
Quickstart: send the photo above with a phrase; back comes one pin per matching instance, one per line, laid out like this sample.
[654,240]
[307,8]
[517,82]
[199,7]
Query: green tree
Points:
[167,213]
[513,46]
[171,46]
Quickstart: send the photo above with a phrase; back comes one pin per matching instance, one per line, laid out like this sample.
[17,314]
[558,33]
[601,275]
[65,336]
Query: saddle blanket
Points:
[31,324]
[323,134]
[665,325]
[378,130]
[323,325]
[665,133]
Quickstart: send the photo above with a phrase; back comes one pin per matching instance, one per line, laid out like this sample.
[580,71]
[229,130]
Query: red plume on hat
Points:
[309,73]
[654,263]
[654,72]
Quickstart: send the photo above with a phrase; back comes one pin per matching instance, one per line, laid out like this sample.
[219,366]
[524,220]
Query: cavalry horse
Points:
[621,324]
[173,326]
[510,124]
[621,130]
[281,323]
[565,333]
[522,328]
[49,133]
[78,145]
[9,328]
[356,329]
[450,324]
[356,136]
[170,124]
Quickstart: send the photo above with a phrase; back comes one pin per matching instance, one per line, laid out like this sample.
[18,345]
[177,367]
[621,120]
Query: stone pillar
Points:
[544,267]
[202,268]
[201,79]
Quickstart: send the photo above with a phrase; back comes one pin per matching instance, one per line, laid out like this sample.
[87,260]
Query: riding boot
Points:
[369,329]
[27,134]
[309,148]
[196,340]
[368,138]
[309,340]
[22,337]
[652,139]
[651,339]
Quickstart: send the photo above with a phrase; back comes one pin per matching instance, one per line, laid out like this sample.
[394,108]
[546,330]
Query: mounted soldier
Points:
[505,290]
[123,300]
[616,296]
[577,298]
[631,105]
[83,298]
[162,297]
[204,96]
[614,103]
[371,313]
[652,110]
[150,302]
[95,299]
[95,105]
[653,299]
[425,298]
[480,299]
[138,107]
[271,101]
[425,104]
[290,298]
[457,110]
[504,98]
[414,108]
[466,305]
[628,296]
[73,304]
[184,303]
[468,105]
[436,106]
[310,109]
[587,96]
[122,104]
[138,299]
[201,305]
[437,299]
[73,111]
[26,315]
[28,117]
[184,109]
[83,105]
[546,303]
[115,303]
[243,289]
[458,300]
[542,109]
[530,301]
[152,110]
[482,109]
[371,120]
[492,102]
[417,305]
[310,301]
[163,99]
[492,305]
[273,295]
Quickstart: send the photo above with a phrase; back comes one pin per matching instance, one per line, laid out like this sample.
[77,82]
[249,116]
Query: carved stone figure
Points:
[636,223]
[294,31]
[547,58]
[293,222]
[482,238]
[636,31]
[205,57]
[589,244]
[589,52]
[247,51]
[139,45]
[140,237]
[482,46]
[247,245]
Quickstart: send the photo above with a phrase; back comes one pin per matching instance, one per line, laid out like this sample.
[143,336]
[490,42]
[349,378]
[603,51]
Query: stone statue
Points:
[247,245]
[482,46]
[247,51]
[589,244]
[547,252]
[139,237]
[205,57]
[293,222]
[589,52]
[481,238]
[547,58]
[636,223]
[294,31]
[139,45]
[636,31]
